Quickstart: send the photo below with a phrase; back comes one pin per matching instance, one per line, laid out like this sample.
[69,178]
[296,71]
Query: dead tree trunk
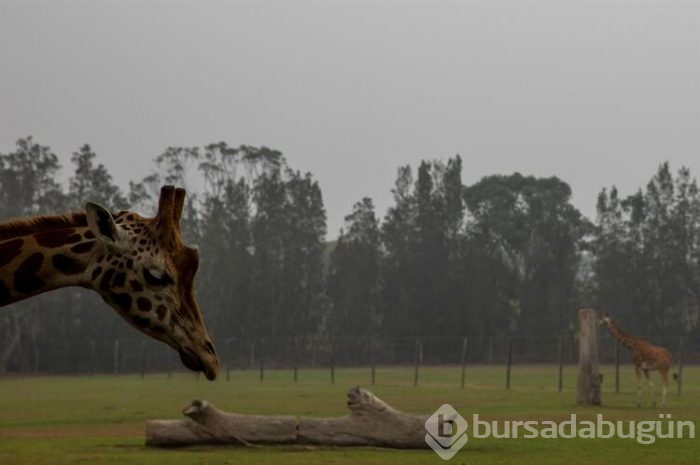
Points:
[371,422]
[588,387]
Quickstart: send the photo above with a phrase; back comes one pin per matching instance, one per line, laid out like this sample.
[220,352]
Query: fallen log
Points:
[371,422]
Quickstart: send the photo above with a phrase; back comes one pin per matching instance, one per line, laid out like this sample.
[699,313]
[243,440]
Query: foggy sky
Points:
[595,92]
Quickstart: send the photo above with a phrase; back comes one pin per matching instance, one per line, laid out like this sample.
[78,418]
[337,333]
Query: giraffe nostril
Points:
[210,348]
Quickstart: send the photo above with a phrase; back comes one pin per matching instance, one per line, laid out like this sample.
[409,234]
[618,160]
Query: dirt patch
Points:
[70,431]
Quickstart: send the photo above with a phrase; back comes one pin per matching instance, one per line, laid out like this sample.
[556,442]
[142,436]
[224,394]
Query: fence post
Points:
[465,342]
[143,359]
[93,355]
[617,366]
[295,348]
[228,359]
[419,357]
[560,356]
[37,358]
[510,361]
[333,362]
[372,354]
[680,366]
[261,356]
[66,357]
[116,357]
[252,354]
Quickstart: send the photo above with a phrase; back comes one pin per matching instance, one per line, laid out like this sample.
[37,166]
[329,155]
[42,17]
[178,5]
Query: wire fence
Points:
[143,356]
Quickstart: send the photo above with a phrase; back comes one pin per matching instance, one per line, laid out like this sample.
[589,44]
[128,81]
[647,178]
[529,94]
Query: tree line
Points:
[507,256]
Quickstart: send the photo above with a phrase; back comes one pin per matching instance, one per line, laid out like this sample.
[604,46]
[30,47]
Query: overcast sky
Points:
[595,92]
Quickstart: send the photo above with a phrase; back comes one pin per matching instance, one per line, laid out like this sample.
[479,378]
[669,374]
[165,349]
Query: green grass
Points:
[99,420]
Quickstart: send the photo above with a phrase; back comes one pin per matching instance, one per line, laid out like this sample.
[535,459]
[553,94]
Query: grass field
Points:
[100,420]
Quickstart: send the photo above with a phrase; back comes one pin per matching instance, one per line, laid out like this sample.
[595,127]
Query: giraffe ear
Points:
[101,223]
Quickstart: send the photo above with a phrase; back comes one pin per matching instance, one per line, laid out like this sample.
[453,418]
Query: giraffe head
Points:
[604,320]
[146,273]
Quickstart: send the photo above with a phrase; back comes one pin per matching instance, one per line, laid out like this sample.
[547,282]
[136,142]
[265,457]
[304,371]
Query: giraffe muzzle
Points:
[197,363]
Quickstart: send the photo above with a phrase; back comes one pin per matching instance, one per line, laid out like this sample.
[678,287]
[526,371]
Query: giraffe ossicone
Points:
[139,266]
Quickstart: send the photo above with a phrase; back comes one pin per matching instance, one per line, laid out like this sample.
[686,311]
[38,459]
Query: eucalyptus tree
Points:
[28,187]
[536,232]
[91,182]
[354,277]
[646,254]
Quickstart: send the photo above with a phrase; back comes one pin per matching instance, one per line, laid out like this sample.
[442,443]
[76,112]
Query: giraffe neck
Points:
[624,338]
[43,254]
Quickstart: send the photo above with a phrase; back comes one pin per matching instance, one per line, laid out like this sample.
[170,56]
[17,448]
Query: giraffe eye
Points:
[156,279]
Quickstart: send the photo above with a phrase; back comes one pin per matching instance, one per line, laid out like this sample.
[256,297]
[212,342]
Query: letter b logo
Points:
[446,428]
[446,431]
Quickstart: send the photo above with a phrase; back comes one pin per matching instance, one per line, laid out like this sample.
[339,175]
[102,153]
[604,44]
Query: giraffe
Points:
[646,357]
[139,266]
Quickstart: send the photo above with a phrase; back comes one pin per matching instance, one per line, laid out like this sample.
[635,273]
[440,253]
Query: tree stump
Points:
[371,422]
[588,386]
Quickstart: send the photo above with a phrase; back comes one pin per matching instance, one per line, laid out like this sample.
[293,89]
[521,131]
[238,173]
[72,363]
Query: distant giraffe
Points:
[139,266]
[646,358]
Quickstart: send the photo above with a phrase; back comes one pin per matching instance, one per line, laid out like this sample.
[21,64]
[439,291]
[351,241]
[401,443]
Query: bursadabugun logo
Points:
[447,431]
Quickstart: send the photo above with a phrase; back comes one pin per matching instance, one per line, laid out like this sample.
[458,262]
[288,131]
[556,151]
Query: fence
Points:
[142,356]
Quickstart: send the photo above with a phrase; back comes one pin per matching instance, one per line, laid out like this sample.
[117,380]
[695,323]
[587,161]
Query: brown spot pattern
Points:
[141,322]
[4,293]
[119,280]
[68,265]
[9,250]
[121,300]
[144,304]
[57,238]
[161,311]
[83,247]
[26,280]
[157,329]
[106,281]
